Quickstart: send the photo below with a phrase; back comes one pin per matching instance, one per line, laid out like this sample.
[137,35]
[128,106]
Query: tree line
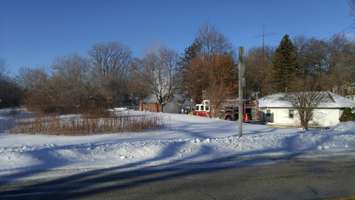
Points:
[329,64]
[109,75]
[11,93]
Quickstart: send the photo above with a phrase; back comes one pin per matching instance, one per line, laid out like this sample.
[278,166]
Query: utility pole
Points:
[241,86]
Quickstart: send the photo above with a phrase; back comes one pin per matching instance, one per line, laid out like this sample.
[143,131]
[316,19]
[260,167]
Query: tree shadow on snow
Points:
[142,172]
[121,177]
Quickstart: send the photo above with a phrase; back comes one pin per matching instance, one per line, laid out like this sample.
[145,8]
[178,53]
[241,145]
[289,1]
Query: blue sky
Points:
[33,33]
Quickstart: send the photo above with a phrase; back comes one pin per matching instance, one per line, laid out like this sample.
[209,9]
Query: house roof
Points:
[279,100]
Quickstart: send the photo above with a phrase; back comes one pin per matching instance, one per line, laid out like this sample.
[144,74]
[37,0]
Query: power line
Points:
[263,35]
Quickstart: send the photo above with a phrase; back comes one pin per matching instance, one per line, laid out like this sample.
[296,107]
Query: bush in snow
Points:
[347,115]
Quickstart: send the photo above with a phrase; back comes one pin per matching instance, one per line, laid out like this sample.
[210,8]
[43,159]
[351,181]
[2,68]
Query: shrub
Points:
[347,115]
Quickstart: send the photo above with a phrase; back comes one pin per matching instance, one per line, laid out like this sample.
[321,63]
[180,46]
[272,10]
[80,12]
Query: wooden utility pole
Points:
[241,88]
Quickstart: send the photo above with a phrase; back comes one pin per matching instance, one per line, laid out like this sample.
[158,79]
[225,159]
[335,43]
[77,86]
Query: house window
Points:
[269,117]
[291,114]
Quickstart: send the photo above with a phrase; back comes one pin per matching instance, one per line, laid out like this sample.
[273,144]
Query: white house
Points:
[280,111]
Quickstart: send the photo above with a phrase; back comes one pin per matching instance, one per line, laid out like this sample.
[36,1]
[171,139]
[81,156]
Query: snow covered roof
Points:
[279,100]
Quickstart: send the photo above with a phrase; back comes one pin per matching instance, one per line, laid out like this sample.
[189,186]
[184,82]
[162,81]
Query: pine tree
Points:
[284,65]
[191,52]
[186,71]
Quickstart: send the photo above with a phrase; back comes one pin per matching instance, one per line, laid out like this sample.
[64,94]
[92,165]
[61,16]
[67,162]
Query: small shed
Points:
[151,104]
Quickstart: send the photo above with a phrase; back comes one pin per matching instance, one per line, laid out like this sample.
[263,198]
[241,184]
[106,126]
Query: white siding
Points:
[326,117]
[321,117]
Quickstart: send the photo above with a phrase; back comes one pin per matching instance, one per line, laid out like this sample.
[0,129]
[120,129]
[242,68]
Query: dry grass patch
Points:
[86,124]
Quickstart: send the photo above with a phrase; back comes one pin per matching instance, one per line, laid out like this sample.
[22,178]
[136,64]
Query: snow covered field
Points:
[185,139]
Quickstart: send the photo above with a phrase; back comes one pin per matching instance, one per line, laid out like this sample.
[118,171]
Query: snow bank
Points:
[345,127]
[185,139]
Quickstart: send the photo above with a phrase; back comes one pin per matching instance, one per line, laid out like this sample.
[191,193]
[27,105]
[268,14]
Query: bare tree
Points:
[215,74]
[312,55]
[111,62]
[67,89]
[258,66]
[158,74]
[306,96]
[110,59]
[305,102]
[331,62]
[212,42]
[70,79]
[200,56]
[222,81]
[137,89]
[40,94]
[341,63]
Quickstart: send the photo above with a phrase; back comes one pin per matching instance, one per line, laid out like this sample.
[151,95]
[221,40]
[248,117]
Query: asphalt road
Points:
[292,178]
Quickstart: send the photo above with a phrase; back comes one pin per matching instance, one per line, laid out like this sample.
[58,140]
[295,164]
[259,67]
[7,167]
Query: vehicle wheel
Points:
[229,118]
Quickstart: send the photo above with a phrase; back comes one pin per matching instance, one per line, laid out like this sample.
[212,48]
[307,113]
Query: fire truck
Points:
[229,110]
[202,109]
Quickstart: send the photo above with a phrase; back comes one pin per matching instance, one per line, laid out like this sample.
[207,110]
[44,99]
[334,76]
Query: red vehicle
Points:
[229,111]
[202,109]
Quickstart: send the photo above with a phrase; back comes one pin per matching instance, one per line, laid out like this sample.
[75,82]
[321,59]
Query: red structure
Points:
[152,107]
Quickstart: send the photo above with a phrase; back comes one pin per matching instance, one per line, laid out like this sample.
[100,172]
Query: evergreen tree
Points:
[185,72]
[284,65]
[191,52]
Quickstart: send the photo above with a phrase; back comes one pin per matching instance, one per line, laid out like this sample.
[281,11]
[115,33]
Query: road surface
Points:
[292,178]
